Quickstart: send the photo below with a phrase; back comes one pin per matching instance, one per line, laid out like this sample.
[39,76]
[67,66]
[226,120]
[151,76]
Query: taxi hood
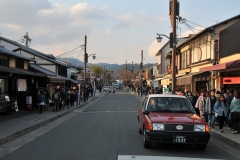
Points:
[190,118]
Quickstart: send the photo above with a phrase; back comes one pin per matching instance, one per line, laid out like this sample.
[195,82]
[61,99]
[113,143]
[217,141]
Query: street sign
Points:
[165,90]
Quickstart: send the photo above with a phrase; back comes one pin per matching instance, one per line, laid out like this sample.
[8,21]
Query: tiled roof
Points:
[21,71]
[13,54]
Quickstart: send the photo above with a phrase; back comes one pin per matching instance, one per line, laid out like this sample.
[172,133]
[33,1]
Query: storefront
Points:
[231,83]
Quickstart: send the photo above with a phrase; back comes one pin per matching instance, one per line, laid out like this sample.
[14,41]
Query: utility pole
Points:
[126,65]
[85,65]
[132,67]
[173,13]
[141,67]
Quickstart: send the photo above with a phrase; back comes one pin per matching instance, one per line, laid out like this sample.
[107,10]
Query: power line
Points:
[77,57]
[69,51]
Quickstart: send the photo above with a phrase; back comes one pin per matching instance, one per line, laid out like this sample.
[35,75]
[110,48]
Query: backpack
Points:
[40,98]
[56,96]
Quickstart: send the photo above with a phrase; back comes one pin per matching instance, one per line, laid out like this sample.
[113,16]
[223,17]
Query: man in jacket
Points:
[56,99]
[213,101]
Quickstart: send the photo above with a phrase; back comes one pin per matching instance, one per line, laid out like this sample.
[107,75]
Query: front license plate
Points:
[179,139]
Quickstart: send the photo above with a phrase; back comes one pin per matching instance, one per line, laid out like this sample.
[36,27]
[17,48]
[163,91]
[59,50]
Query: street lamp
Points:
[159,38]
[173,46]
[85,74]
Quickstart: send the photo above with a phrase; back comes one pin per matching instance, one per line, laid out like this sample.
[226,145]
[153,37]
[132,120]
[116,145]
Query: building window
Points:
[188,57]
[184,60]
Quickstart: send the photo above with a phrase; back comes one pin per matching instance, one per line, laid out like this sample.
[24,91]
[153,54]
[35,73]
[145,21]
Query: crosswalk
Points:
[138,157]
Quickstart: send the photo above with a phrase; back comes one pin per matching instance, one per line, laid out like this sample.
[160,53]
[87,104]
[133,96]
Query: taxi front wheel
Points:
[147,144]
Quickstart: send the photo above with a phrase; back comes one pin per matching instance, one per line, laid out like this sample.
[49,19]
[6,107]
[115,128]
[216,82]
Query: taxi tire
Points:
[201,147]
[146,143]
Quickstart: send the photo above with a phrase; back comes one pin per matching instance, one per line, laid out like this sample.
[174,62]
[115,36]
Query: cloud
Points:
[109,32]
[48,23]
[132,20]
[121,53]
[154,48]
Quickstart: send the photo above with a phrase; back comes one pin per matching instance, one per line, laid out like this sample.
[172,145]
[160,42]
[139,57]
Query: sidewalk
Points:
[22,122]
[226,137]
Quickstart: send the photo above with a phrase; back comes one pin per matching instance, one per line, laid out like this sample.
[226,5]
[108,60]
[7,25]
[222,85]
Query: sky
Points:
[116,30]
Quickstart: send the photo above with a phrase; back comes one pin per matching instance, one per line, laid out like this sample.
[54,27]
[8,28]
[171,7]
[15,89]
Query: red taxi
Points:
[171,119]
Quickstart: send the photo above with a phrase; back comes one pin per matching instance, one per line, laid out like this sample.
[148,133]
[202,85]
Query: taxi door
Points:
[140,113]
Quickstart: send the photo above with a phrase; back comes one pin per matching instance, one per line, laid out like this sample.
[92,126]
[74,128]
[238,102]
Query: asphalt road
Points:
[106,129]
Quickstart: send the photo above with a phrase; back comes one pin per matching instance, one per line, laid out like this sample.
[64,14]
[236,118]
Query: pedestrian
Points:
[235,112]
[66,98]
[199,107]
[208,109]
[72,98]
[56,97]
[47,98]
[40,100]
[113,90]
[190,97]
[221,109]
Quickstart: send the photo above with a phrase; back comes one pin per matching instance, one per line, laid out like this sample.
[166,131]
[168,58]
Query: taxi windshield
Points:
[169,104]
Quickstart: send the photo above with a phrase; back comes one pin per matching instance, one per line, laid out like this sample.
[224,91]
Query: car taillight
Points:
[149,126]
[207,128]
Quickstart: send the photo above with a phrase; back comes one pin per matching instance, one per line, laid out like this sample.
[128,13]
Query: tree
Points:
[126,76]
[96,71]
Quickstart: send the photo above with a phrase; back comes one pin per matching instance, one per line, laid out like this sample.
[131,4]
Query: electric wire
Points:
[77,57]
[69,51]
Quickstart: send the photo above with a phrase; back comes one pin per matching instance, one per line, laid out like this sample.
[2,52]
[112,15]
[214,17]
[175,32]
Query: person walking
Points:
[56,99]
[235,112]
[41,100]
[72,98]
[66,98]
[213,101]
[221,108]
[208,109]
[47,98]
[199,107]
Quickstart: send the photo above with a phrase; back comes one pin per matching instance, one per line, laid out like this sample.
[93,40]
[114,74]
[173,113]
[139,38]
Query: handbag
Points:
[235,115]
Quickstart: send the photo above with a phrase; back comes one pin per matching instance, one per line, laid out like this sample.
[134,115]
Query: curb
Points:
[36,126]
[225,139]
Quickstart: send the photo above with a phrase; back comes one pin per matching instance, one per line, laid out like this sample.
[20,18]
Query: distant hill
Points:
[110,67]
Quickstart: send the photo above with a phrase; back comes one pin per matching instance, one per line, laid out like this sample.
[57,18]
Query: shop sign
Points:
[165,82]
[231,80]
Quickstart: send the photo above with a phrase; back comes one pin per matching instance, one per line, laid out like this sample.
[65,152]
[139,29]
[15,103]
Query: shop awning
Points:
[187,79]
[21,71]
[223,66]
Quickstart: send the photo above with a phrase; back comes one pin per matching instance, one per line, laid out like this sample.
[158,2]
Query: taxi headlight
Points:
[158,126]
[199,128]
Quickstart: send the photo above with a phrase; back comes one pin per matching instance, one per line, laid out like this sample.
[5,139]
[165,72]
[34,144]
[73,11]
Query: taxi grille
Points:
[173,128]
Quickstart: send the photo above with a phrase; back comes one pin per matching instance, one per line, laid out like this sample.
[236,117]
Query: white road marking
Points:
[134,157]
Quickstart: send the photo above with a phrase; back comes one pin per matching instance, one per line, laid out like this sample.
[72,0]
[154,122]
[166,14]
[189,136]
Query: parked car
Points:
[7,104]
[171,119]
[3,103]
